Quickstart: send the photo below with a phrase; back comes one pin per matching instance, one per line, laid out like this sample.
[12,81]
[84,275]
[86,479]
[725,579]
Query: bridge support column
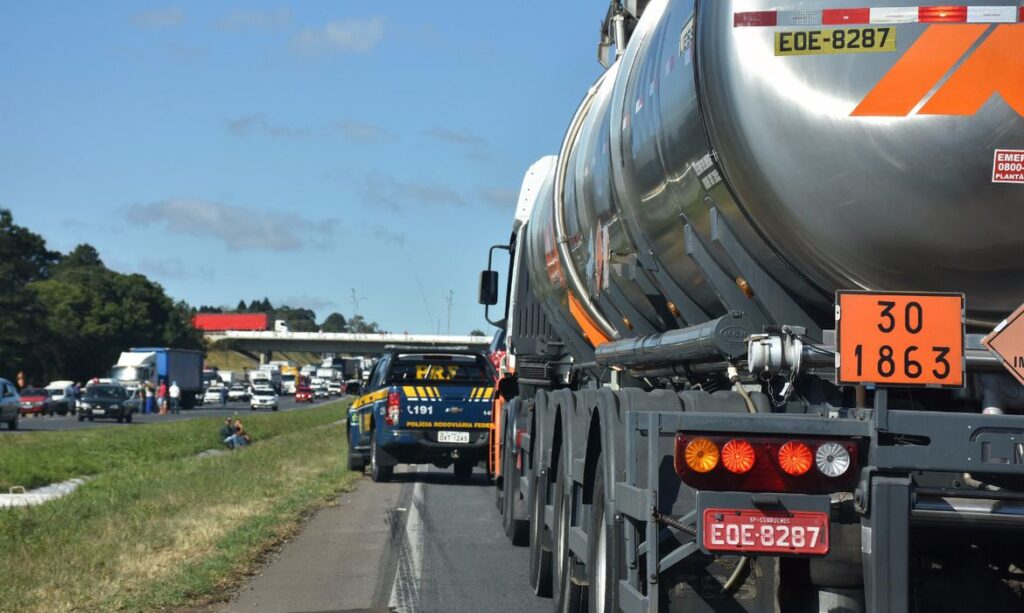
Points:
[265,357]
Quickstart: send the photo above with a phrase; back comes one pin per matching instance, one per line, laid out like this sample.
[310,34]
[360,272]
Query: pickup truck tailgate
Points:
[449,406]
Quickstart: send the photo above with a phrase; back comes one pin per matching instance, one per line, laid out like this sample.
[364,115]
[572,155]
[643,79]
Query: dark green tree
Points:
[24,259]
[335,322]
[241,308]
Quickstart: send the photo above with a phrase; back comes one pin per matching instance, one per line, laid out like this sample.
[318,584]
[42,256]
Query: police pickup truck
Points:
[422,408]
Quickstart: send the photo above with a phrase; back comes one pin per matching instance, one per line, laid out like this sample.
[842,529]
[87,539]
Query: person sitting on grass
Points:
[227,429]
[239,438]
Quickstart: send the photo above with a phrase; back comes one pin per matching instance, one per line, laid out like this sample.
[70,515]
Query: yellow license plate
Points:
[836,40]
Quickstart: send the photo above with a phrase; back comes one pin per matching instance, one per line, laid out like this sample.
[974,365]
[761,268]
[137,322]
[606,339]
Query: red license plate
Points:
[748,530]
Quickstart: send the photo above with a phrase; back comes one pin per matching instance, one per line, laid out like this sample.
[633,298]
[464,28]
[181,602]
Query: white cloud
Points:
[343,36]
[255,20]
[364,133]
[257,122]
[238,228]
[499,197]
[472,146]
[159,18]
[383,189]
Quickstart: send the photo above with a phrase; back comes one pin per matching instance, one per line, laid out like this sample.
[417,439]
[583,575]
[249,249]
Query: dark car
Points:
[35,401]
[106,401]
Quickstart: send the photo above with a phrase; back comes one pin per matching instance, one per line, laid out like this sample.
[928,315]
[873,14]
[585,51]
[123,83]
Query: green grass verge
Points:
[171,530]
[33,459]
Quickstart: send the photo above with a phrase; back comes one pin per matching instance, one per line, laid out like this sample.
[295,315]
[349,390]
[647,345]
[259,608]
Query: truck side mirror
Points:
[489,287]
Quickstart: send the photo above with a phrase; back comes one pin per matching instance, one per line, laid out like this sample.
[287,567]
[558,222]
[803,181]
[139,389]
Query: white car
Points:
[212,395]
[263,399]
[334,388]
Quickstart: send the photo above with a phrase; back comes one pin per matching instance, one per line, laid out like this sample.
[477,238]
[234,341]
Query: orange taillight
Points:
[795,458]
[738,456]
[701,455]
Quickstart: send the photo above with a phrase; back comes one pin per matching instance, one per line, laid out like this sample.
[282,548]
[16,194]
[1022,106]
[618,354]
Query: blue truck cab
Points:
[423,408]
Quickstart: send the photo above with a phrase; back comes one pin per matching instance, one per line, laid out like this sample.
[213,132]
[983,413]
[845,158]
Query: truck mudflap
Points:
[887,499]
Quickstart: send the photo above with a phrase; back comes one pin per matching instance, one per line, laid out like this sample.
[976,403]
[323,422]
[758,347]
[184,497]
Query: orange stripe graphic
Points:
[920,68]
[995,67]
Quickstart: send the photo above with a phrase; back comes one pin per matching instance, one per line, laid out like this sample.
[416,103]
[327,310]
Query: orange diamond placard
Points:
[1007,342]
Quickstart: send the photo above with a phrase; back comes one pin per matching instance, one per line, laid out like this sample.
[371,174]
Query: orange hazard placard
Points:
[900,339]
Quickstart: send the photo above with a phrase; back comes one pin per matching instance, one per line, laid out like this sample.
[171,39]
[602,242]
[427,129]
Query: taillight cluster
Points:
[394,408]
[765,464]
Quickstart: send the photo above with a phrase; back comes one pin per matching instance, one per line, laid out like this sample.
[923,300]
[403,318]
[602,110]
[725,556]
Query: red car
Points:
[303,394]
[35,400]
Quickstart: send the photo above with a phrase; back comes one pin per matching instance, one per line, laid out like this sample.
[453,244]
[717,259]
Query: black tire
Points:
[120,420]
[274,408]
[569,597]
[603,542]
[540,540]
[378,472]
[90,418]
[81,418]
[128,418]
[463,470]
[355,462]
[517,529]
[12,424]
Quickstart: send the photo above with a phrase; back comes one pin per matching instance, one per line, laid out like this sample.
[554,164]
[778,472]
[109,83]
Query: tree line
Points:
[69,316]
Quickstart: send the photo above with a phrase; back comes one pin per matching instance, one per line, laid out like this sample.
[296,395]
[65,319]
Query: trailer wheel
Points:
[604,551]
[540,540]
[516,528]
[570,596]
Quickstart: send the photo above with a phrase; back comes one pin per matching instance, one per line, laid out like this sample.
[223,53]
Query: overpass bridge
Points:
[350,343]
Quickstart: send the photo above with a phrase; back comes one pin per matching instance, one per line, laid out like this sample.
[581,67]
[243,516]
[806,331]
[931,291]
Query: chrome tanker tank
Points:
[742,156]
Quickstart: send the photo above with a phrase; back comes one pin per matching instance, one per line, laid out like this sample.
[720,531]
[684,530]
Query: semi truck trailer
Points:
[156,365]
[749,310]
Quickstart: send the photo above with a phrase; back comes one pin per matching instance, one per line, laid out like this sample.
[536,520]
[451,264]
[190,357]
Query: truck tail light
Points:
[765,463]
[795,458]
[393,408]
[738,456]
[701,455]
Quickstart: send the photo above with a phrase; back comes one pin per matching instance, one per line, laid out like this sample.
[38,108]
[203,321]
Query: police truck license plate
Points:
[452,437]
[748,530]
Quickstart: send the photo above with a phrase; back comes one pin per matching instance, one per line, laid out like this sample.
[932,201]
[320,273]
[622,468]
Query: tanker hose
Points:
[735,576]
[734,377]
[979,485]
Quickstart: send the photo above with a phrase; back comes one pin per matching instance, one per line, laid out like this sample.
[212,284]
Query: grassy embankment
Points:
[157,526]
[226,359]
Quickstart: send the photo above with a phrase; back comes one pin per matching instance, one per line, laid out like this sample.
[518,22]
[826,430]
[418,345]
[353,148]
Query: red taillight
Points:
[795,458]
[767,464]
[393,408]
[942,14]
[738,456]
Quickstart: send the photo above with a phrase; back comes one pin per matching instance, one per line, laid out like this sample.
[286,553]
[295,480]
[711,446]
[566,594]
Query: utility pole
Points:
[355,302]
[451,296]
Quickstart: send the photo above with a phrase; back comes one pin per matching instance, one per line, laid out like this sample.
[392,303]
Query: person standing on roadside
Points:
[148,390]
[161,397]
[223,395]
[175,394]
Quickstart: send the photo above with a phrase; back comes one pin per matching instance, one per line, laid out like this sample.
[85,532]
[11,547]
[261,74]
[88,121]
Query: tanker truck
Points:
[749,310]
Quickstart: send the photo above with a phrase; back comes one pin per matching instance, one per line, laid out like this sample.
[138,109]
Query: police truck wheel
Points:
[378,472]
[355,462]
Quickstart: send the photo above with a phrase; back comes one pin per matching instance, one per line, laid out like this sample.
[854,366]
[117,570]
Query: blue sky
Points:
[294,151]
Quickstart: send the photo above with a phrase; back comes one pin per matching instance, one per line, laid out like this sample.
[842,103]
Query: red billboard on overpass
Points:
[216,322]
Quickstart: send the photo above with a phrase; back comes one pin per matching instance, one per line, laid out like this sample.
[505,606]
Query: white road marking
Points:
[405,592]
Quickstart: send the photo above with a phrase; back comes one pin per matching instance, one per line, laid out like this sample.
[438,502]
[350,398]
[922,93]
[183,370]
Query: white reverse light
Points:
[832,459]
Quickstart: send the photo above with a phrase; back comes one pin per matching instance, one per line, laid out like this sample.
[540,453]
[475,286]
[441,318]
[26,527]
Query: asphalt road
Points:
[425,542]
[32,423]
